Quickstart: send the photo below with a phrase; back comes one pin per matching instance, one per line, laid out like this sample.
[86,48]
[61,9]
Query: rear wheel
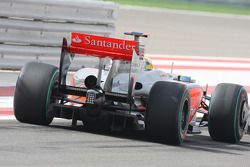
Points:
[167,115]
[33,92]
[228,107]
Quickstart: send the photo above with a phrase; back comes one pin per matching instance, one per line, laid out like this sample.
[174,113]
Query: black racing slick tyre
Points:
[228,106]
[167,114]
[33,92]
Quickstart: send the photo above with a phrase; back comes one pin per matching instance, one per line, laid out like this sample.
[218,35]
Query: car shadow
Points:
[193,142]
[205,143]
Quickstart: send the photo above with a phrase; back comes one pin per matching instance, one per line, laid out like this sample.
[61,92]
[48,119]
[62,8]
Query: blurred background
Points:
[222,6]
[32,30]
[206,39]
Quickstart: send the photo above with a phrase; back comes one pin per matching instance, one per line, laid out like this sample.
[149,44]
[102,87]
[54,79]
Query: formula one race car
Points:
[128,94]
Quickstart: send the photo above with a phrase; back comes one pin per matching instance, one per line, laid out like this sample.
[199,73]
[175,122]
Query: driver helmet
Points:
[147,64]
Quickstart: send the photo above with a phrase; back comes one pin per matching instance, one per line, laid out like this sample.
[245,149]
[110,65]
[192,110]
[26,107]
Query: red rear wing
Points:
[99,46]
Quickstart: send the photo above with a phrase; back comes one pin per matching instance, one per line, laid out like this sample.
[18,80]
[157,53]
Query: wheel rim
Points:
[241,119]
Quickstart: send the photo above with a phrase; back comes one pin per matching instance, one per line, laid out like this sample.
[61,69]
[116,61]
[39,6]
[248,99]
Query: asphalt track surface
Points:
[62,145]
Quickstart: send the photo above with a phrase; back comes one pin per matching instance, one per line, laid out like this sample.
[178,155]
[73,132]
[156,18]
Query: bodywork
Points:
[122,89]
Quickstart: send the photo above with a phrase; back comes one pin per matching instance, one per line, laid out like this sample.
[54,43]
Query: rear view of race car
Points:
[127,97]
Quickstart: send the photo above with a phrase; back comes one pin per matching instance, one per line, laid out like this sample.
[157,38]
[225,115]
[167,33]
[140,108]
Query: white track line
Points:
[9,117]
[6,101]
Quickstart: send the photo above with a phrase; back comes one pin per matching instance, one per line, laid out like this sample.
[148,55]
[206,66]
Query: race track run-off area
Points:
[207,71]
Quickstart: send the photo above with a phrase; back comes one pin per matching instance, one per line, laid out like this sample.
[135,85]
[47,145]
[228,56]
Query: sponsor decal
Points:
[107,44]
[99,41]
[76,39]
[101,46]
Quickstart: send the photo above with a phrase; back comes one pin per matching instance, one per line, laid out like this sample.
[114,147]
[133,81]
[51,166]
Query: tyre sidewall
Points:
[32,94]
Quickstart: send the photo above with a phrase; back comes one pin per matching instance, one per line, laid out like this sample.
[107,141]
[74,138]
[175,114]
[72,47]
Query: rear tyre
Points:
[167,115]
[33,92]
[228,106]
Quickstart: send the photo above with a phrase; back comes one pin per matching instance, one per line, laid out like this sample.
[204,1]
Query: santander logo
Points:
[101,46]
[77,39]
[102,42]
